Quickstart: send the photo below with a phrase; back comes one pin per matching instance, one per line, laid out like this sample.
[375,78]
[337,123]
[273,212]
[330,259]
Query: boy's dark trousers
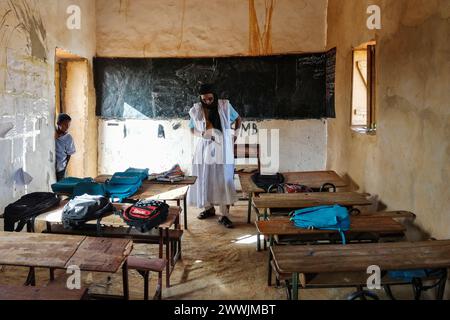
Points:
[60,175]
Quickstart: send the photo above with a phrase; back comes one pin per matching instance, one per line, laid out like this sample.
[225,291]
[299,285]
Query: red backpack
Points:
[289,188]
[146,215]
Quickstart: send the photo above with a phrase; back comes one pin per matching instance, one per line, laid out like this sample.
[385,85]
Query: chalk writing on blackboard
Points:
[269,87]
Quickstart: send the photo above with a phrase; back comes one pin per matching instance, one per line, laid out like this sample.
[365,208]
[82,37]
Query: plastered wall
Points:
[407,163]
[29,35]
[194,28]
[186,28]
[136,143]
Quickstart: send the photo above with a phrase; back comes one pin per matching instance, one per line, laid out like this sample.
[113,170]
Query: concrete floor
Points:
[217,264]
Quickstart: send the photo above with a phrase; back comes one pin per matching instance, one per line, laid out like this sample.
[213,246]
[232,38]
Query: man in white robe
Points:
[213,162]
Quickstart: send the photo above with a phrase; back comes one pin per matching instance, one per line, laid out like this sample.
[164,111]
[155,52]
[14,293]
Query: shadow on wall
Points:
[413,231]
[351,184]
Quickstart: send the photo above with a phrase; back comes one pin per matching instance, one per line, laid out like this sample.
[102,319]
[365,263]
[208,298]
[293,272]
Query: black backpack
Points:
[146,215]
[267,182]
[85,208]
[27,208]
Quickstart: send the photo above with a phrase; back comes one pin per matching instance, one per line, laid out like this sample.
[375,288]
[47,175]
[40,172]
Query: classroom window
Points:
[363,117]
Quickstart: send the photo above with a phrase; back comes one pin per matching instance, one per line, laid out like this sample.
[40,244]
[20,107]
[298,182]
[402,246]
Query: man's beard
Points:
[211,106]
[213,113]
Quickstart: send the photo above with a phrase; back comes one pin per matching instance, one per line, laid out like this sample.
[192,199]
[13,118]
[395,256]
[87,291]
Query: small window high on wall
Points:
[363,117]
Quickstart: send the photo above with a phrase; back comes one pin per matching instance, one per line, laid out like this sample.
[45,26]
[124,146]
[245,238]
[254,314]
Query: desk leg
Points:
[258,238]
[31,278]
[161,243]
[441,287]
[250,199]
[294,286]
[269,277]
[265,219]
[168,264]
[185,212]
[126,292]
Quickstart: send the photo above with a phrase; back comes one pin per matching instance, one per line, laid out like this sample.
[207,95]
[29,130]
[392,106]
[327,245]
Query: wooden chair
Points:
[247,151]
[144,266]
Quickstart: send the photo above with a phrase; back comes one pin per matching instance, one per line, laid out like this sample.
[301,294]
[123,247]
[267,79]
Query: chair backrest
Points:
[248,151]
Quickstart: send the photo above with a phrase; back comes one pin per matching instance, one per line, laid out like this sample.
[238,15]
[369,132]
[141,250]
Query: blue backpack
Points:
[67,185]
[142,173]
[324,218]
[123,185]
[409,275]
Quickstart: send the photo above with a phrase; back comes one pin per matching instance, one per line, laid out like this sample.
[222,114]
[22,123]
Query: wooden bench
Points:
[304,263]
[41,293]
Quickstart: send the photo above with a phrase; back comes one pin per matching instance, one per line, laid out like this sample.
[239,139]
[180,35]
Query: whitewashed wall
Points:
[135,143]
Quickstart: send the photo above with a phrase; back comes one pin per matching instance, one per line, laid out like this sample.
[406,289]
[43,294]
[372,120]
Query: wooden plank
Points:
[305,200]
[101,254]
[315,179]
[114,221]
[247,184]
[354,258]
[312,179]
[380,225]
[13,293]
[174,213]
[37,250]
[188,180]
[163,192]
[392,214]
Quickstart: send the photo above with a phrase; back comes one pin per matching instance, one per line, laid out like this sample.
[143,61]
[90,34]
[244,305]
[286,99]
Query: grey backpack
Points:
[85,208]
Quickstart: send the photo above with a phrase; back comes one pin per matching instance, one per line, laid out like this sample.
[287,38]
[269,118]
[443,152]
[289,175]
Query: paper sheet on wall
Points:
[22,178]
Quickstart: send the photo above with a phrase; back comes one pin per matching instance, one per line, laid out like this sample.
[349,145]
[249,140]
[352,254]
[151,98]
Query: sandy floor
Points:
[217,264]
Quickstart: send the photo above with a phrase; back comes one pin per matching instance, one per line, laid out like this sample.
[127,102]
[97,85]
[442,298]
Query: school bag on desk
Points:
[123,185]
[89,188]
[67,185]
[142,173]
[267,182]
[27,208]
[146,215]
[85,208]
[323,218]
[289,188]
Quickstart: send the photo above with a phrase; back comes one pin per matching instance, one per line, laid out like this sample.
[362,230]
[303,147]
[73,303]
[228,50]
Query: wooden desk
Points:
[112,226]
[377,225]
[267,201]
[59,252]
[357,257]
[312,179]
[35,250]
[306,200]
[361,229]
[162,191]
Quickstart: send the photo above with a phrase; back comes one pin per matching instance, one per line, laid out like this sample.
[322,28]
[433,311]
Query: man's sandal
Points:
[207,214]
[226,222]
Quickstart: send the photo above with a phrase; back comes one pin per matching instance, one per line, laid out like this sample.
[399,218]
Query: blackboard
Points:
[271,87]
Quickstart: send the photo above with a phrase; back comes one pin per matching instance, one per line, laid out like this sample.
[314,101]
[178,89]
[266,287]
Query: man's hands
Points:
[208,135]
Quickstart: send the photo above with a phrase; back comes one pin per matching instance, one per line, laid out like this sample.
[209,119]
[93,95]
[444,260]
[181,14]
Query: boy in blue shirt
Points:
[64,145]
